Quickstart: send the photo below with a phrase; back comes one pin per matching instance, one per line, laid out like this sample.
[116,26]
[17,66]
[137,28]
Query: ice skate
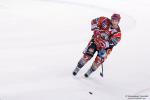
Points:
[76,70]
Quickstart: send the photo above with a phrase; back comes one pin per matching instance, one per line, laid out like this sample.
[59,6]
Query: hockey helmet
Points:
[116,17]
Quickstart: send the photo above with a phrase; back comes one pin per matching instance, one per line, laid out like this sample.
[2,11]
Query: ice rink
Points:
[41,42]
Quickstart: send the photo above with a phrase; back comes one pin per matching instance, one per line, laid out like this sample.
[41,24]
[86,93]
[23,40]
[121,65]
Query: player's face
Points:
[115,22]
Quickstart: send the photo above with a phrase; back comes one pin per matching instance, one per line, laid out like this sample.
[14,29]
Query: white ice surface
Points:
[41,42]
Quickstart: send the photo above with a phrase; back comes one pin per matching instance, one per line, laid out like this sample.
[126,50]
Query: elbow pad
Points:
[94,24]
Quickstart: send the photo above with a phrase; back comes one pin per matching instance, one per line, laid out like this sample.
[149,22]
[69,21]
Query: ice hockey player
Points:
[106,35]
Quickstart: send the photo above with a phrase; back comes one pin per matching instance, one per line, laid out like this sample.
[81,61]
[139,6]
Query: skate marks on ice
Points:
[34,38]
[98,88]
[145,90]
[143,94]
[90,85]
[127,22]
[140,95]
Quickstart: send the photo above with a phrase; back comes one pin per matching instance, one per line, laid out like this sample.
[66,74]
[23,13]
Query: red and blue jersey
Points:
[104,31]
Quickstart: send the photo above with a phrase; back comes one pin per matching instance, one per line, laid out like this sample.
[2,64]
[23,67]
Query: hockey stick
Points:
[101,73]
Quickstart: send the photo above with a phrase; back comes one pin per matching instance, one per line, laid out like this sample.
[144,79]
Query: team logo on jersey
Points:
[104,24]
